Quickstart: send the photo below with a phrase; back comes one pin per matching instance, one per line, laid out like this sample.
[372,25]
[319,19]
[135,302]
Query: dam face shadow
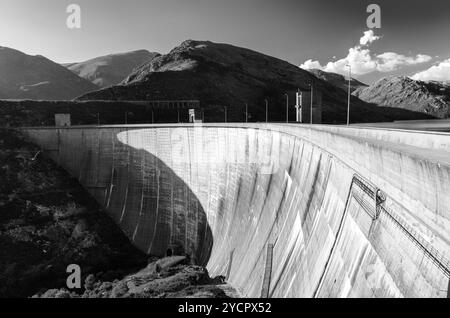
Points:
[152,205]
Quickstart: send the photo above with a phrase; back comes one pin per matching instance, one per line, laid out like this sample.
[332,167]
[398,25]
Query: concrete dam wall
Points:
[279,210]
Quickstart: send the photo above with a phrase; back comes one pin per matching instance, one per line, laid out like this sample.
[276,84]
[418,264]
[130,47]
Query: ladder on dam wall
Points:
[376,207]
[372,201]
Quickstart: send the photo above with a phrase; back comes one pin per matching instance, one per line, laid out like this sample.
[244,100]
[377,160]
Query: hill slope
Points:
[24,76]
[224,75]
[338,80]
[403,92]
[110,69]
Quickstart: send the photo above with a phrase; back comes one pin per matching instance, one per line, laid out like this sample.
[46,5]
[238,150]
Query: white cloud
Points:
[363,62]
[391,61]
[310,64]
[368,38]
[439,72]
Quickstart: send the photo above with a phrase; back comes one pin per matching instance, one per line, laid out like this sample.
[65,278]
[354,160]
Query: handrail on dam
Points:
[434,255]
[379,198]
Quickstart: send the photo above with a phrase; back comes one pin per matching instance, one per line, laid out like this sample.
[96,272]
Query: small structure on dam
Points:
[62,120]
[304,104]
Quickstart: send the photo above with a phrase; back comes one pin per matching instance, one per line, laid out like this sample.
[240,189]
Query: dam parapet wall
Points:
[279,210]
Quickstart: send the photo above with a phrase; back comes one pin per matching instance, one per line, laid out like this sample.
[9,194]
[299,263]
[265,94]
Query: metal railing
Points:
[430,252]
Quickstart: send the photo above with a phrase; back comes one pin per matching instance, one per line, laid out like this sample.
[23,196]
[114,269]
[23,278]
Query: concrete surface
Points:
[442,125]
[233,195]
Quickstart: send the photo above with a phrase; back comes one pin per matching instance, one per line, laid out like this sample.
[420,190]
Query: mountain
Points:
[338,80]
[24,76]
[432,98]
[110,69]
[223,75]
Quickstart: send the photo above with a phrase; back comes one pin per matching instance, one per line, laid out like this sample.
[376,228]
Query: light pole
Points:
[246,112]
[267,110]
[349,92]
[225,109]
[312,98]
[287,107]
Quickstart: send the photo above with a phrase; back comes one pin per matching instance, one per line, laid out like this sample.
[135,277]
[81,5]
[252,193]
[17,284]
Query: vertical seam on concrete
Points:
[448,289]
[158,173]
[267,272]
[111,186]
[142,199]
[128,179]
[230,263]
[338,236]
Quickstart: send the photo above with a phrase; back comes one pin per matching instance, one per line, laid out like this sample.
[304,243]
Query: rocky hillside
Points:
[431,98]
[169,277]
[338,80]
[24,76]
[48,221]
[111,69]
[224,75]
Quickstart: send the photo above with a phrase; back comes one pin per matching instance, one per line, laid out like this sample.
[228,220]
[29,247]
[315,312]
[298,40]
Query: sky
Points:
[413,39]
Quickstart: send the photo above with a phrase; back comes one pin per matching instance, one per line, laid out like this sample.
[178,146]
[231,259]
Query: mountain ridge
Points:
[338,80]
[110,69]
[226,76]
[24,76]
[432,97]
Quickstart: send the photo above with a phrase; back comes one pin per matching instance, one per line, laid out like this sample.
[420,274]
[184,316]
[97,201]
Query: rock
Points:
[119,290]
[51,293]
[63,294]
[79,229]
[89,282]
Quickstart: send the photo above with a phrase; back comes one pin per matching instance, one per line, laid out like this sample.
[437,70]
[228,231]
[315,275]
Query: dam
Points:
[279,210]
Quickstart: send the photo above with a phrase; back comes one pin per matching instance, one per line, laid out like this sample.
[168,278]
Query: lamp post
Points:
[349,92]
[267,110]
[287,107]
[312,98]
[246,112]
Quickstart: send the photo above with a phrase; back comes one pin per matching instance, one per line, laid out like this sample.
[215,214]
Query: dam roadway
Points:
[280,210]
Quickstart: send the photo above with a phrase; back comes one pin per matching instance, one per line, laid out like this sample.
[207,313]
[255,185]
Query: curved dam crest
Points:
[279,210]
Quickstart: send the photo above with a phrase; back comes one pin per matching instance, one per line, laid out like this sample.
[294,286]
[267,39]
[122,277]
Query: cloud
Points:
[391,61]
[362,61]
[310,64]
[368,38]
[439,72]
